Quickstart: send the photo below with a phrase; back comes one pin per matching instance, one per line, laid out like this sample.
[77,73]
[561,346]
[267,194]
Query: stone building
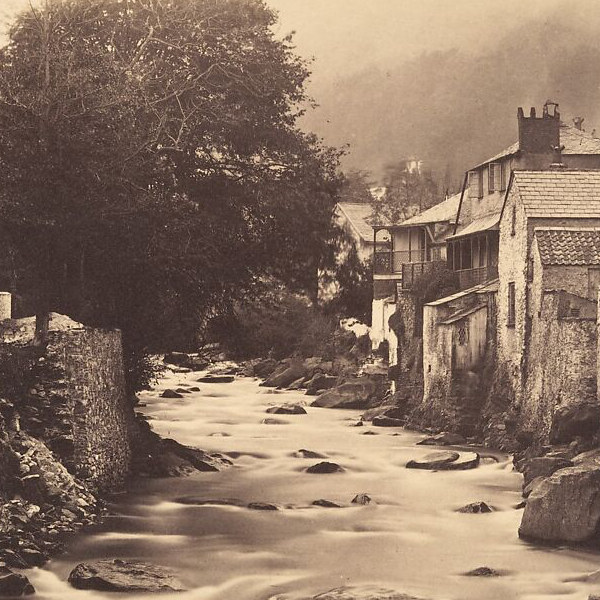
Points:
[549,271]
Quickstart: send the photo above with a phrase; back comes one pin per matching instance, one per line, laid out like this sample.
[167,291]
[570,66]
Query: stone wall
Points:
[562,369]
[76,402]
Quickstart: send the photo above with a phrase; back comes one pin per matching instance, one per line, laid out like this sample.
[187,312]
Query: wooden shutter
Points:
[476,184]
[493,177]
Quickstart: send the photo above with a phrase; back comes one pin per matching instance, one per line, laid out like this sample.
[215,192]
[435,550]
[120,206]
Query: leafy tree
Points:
[152,171]
[356,187]
[408,191]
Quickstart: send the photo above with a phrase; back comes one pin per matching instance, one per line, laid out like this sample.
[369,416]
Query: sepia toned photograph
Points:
[299,299]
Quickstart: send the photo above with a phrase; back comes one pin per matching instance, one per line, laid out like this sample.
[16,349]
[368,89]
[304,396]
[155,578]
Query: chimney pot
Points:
[532,112]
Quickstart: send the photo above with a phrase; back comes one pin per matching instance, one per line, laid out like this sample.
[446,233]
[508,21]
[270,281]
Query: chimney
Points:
[5,306]
[539,135]
[578,123]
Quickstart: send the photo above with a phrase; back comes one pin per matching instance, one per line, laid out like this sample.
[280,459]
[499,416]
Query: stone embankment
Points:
[69,437]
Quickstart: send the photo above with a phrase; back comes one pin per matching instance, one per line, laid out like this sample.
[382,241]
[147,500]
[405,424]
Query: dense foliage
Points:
[152,171]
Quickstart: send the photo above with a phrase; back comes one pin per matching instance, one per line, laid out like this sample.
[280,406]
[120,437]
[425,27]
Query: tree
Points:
[152,171]
[408,191]
[356,187]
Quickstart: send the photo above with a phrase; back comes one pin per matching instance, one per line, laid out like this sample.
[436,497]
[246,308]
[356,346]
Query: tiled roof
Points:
[478,225]
[574,140]
[569,246]
[360,217]
[559,193]
[445,211]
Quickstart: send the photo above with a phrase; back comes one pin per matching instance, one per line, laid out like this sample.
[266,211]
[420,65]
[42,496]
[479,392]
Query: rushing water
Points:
[411,539]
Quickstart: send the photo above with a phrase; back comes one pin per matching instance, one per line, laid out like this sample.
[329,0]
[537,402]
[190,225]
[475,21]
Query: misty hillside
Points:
[453,109]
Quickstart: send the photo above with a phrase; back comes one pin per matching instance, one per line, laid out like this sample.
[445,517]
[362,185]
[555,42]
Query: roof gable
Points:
[360,217]
[444,212]
[559,193]
[568,247]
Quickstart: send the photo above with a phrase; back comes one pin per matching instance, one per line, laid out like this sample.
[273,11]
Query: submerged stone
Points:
[287,409]
[325,467]
[217,379]
[302,453]
[475,507]
[446,461]
[364,592]
[483,572]
[262,506]
[326,504]
[171,394]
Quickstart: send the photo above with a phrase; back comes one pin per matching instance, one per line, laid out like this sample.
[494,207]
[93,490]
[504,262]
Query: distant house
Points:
[416,245]
[356,218]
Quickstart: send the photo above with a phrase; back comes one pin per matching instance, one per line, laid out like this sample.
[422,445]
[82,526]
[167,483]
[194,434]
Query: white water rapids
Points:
[410,539]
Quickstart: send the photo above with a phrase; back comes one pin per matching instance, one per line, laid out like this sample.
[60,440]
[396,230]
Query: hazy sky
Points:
[348,34]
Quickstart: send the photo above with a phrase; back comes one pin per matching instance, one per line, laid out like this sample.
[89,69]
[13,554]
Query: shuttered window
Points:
[511,305]
[502,175]
[476,184]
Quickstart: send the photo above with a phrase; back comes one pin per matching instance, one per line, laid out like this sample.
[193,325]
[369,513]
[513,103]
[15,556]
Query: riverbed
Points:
[410,538]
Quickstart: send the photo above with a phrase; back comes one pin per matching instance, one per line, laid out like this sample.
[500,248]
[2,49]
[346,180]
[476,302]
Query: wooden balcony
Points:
[388,262]
[469,278]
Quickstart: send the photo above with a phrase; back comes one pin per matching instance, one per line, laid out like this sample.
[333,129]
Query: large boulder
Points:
[574,420]
[14,585]
[354,393]
[543,466]
[123,576]
[320,382]
[282,377]
[264,368]
[564,507]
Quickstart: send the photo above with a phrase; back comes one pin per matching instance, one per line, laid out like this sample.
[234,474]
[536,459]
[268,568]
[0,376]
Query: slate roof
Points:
[571,247]
[574,140]
[444,212]
[486,223]
[360,217]
[559,193]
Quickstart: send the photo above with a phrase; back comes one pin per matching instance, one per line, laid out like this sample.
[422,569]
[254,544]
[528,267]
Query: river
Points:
[409,539]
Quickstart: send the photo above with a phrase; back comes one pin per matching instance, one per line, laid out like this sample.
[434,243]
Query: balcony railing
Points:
[391,262]
[468,278]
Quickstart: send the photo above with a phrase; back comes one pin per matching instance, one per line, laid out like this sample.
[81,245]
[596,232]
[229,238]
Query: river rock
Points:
[176,358]
[364,592]
[542,466]
[325,467]
[362,499]
[574,420]
[123,576]
[564,506]
[262,506]
[217,379]
[285,375]
[195,501]
[307,454]
[273,422]
[264,368]
[171,394]
[354,393]
[320,382]
[445,438]
[475,508]
[326,504]
[287,409]
[14,584]
[181,390]
[446,461]
[483,572]
[384,421]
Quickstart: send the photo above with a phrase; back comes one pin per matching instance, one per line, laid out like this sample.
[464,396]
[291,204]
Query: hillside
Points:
[453,108]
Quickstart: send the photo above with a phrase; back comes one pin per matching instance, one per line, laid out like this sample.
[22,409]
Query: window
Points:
[494,175]
[511,305]
[502,175]
[476,184]
[513,226]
